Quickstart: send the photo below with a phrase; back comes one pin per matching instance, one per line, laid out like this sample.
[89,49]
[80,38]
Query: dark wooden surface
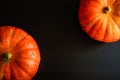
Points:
[67,52]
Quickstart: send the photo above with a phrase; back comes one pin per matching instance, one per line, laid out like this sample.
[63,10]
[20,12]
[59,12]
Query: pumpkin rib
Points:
[101,3]
[90,25]
[27,47]
[104,40]
[10,71]
[4,38]
[118,24]
[17,51]
[25,59]
[26,70]
[24,73]
[110,32]
[106,23]
[115,14]
[111,29]
[88,14]
[8,76]
[21,69]
[14,72]
[116,8]
[1,70]
[105,2]
[92,32]
[9,33]
[85,10]
[19,41]
[93,20]
[114,23]
[14,36]
[107,32]
[112,2]
[100,34]
[94,7]
[12,33]
[115,2]
[93,4]
[28,56]
[22,39]
[35,61]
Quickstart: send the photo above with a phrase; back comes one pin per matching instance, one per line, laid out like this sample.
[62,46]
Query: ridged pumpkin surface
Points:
[100,19]
[19,54]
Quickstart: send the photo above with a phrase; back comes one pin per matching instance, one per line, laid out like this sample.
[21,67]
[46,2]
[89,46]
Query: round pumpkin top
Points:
[100,19]
[19,54]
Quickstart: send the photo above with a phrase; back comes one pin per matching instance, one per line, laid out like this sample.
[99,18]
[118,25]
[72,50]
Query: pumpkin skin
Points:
[23,56]
[100,19]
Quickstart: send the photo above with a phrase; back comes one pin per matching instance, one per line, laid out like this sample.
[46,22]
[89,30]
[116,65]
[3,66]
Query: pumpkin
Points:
[19,54]
[100,19]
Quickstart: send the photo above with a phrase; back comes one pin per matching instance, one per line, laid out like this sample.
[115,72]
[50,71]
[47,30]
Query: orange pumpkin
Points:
[19,54]
[100,19]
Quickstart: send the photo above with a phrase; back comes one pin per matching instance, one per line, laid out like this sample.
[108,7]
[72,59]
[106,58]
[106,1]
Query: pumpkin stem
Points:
[7,57]
[107,10]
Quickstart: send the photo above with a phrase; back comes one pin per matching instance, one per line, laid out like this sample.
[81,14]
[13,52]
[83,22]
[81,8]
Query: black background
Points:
[67,52]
